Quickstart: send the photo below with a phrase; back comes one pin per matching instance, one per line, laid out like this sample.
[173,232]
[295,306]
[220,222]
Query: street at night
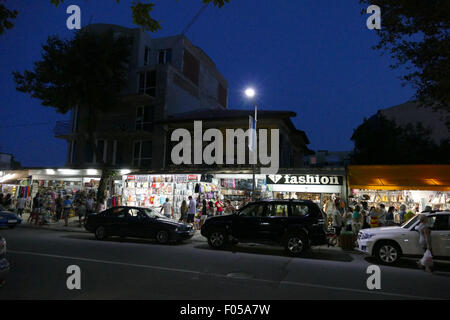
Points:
[214,158]
[139,269]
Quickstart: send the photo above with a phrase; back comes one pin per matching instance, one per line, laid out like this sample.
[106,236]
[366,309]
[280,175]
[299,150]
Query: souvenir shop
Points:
[238,188]
[151,191]
[416,186]
[318,185]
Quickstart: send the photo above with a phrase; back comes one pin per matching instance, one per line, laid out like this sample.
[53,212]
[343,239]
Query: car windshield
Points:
[410,222]
[152,214]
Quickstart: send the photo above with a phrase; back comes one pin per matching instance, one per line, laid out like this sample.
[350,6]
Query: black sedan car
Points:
[137,223]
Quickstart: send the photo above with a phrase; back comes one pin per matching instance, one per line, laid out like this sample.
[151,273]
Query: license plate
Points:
[12,221]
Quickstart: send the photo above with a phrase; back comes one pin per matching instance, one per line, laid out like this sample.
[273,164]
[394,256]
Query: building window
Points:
[144,118]
[147,83]
[88,153]
[191,67]
[146,56]
[102,149]
[222,95]
[142,154]
[165,56]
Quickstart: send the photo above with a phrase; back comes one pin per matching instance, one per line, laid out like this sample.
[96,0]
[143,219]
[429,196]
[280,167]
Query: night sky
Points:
[310,56]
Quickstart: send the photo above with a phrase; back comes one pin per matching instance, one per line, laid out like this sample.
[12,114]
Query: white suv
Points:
[388,244]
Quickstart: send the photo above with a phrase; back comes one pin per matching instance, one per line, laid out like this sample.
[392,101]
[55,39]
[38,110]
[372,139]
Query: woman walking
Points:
[183,211]
[425,243]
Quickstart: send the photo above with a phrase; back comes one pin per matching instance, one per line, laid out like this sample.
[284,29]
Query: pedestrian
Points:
[1,199]
[167,208]
[34,209]
[402,213]
[90,204]
[348,219]
[356,220]
[382,215]
[373,214]
[81,211]
[67,208]
[365,215]
[219,205]
[337,221]
[59,207]
[425,243]
[211,208]
[390,216]
[191,210]
[204,212]
[229,208]
[21,206]
[183,211]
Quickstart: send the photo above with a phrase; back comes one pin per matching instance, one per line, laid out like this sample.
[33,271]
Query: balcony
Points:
[62,129]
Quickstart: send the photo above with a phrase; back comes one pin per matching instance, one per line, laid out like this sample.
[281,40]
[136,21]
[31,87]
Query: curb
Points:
[66,229]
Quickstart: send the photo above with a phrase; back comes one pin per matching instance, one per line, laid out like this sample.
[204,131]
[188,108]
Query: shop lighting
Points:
[50,171]
[7,177]
[92,171]
[125,171]
[68,172]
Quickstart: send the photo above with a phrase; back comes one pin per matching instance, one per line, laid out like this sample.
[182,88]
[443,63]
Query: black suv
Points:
[294,224]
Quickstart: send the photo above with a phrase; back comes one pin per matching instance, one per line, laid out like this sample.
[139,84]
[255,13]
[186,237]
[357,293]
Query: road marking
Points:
[301,284]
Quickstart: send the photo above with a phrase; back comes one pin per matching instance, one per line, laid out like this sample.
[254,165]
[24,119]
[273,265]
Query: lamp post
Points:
[250,93]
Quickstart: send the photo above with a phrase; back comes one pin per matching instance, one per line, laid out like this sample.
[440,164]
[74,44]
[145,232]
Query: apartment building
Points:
[166,76]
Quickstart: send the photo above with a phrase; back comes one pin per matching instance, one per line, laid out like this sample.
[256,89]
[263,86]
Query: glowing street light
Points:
[250,92]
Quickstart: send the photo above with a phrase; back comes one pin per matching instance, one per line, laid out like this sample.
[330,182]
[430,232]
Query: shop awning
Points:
[14,177]
[399,177]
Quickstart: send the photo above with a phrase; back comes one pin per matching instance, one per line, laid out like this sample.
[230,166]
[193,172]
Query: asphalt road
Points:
[140,269]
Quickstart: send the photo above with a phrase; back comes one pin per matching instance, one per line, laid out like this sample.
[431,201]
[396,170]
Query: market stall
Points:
[416,186]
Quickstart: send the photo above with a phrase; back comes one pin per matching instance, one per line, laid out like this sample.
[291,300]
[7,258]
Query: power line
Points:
[199,13]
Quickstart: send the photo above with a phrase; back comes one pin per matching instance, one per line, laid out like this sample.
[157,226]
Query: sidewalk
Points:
[73,226]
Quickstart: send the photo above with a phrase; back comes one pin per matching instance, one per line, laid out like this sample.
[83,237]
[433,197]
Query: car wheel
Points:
[388,253]
[101,233]
[162,237]
[217,239]
[296,244]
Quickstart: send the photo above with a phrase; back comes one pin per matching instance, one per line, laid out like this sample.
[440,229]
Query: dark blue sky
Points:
[310,56]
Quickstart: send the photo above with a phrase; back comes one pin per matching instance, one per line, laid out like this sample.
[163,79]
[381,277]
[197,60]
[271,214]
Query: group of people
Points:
[44,208]
[196,211]
[357,217]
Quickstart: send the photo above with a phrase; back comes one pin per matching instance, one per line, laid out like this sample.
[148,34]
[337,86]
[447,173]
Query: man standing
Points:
[191,210]
[168,209]
[382,215]
[67,208]
[21,206]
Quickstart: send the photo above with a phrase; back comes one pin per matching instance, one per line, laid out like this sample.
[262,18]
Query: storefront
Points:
[318,185]
[152,190]
[415,186]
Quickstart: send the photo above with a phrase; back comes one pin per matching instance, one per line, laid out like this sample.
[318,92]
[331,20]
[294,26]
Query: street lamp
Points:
[250,93]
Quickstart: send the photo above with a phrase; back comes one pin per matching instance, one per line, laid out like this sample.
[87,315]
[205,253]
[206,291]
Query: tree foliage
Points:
[379,140]
[88,71]
[6,17]
[417,35]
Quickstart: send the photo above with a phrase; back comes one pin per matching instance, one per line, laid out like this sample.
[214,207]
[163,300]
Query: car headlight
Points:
[366,236]
[176,229]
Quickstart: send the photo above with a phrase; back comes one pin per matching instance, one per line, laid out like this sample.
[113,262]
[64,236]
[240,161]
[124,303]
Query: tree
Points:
[140,13]
[416,34]
[379,140]
[88,71]
[6,17]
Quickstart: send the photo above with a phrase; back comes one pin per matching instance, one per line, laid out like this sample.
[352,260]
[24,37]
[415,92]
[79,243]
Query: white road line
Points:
[224,276]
